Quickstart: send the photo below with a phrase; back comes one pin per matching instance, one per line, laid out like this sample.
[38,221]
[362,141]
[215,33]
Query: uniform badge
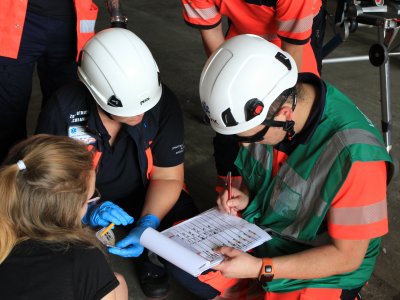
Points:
[79,133]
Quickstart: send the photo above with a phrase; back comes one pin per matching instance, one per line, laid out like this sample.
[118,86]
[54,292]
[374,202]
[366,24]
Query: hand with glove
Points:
[105,213]
[130,246]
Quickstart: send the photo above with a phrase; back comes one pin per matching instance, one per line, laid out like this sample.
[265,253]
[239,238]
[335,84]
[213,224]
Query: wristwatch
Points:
[267,271]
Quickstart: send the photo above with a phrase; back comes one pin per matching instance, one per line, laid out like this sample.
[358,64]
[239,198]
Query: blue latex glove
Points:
[130,246]
[105,213]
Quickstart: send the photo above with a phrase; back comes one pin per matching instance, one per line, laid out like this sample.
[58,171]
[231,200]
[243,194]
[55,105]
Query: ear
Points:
[285,111]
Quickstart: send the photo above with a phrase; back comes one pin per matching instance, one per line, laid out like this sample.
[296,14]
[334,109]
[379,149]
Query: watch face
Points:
[268,269]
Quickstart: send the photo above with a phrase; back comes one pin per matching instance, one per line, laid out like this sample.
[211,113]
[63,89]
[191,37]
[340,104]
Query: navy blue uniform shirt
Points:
[122,170]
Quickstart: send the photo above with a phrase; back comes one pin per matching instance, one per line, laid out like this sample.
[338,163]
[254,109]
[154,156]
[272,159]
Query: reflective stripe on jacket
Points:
[86,14]
[294,203]
[273,20]
[12,19]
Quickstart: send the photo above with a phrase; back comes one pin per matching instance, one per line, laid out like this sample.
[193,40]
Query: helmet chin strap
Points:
[287,126]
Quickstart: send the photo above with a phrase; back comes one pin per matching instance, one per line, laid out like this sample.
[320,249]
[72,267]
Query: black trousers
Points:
[51,45]
[318,34]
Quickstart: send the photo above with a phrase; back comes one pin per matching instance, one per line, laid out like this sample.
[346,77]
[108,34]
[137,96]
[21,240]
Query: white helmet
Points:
[241,80]
[120,72]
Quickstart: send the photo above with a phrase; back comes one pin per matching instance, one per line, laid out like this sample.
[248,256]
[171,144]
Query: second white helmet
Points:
[241,80]
[120,72]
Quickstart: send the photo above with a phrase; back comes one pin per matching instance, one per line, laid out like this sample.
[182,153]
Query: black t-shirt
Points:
[121,174]
[35,270]
[53,8]
[119,178]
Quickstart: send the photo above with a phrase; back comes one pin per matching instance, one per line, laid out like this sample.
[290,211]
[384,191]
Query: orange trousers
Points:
[250,289]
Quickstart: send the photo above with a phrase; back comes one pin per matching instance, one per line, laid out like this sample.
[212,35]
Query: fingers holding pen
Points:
[238,201]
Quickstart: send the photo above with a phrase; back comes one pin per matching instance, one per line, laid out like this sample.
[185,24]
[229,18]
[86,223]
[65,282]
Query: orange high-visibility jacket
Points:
[274,20]
[12,18]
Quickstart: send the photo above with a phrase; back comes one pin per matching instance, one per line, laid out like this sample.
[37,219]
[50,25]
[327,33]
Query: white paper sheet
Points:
[190,244]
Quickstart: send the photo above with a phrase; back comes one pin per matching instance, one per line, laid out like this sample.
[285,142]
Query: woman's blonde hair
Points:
[44,200]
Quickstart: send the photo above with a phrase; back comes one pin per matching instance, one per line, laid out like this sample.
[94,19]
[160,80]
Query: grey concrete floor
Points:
[178,50]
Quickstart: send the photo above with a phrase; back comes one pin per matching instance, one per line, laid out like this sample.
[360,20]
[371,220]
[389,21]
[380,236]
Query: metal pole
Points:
[351,58]
[386,111]
[344,59]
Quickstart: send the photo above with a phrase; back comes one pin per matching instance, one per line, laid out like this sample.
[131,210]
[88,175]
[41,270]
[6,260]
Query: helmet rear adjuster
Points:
[253,108]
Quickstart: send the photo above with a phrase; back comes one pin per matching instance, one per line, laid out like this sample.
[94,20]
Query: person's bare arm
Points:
[120,292]
[339,257]
[296,51]
[212,38]
[110,296]
[164,189]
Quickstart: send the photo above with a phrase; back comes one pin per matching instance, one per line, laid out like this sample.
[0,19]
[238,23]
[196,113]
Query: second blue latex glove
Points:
[105,213]
[130,246]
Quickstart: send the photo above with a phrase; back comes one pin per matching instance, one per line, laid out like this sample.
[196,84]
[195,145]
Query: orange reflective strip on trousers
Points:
[233,288]
[217,281]
[86,14]
[250,289]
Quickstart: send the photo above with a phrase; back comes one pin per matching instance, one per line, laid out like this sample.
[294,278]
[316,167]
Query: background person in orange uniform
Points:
[286,23]
[49,34]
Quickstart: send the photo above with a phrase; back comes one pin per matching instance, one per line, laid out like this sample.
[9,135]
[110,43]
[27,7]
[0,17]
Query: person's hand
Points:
[238,264]
[130,246]
[105,213]
[238,201]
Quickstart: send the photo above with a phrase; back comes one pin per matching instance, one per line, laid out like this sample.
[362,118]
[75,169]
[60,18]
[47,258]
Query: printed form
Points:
[189,245]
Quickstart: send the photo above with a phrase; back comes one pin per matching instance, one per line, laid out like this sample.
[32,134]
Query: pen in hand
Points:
[229,188]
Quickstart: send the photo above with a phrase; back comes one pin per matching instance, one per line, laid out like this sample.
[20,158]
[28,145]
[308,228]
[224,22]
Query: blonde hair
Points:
[44,201]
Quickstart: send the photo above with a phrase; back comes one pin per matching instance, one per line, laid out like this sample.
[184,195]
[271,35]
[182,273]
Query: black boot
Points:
[153,279]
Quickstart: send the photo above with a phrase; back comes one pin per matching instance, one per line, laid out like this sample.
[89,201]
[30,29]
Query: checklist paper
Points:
[189,245]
